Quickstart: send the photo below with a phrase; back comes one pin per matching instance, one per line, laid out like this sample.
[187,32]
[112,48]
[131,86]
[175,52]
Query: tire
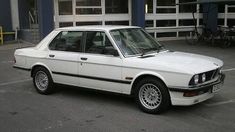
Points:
[152,96]
[42,81]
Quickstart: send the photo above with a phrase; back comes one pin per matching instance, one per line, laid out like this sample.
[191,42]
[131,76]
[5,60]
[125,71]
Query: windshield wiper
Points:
[158,49]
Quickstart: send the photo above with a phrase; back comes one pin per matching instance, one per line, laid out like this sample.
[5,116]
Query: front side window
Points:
[134,41]
[98,43]
[67,41]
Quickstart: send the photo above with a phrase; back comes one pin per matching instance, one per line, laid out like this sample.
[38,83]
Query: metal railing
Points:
[7,33]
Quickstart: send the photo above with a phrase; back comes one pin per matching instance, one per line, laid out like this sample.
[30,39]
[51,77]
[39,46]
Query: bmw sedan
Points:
[121,59]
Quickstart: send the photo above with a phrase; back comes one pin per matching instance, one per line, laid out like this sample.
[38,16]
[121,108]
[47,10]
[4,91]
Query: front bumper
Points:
[204,92]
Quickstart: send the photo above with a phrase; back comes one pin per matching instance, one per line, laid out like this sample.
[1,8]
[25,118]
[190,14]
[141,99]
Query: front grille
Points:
[209,75]
[212,74]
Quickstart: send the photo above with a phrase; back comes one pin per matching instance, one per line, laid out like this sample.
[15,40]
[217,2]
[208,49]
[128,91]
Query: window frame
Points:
[59,8]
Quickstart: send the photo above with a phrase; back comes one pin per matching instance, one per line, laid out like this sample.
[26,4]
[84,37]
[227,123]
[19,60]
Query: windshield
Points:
[135,41]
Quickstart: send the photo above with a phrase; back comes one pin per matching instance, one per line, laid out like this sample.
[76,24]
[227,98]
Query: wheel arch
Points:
[144,75]
[39,65]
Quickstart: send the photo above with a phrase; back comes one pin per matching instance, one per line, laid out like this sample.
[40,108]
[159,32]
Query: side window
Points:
[67,41]
[99,43]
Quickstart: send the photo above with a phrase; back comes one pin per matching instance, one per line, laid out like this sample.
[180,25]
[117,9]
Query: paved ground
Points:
[71,109]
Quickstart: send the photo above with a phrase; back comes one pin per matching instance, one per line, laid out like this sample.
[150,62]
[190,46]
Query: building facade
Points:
[163,19]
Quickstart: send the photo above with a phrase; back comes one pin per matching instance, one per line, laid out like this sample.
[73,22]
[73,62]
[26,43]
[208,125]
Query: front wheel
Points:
[152,96]
[42,81]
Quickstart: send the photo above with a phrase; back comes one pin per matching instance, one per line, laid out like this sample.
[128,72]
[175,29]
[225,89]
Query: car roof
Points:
[94,27]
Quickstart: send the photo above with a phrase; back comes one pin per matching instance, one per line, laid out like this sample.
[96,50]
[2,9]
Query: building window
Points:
[201,22]
[152,34]
[65,24]
[200,8]
[165,2]
[149,23]
[116,6]
[117,23]
[165,23]
[189,22]
[220,22]
[187,8]
[231,22]
[165,10]
[166,34]
[221,8]
[65,7]
[88,7]
[88,23]
[184,33]
[88,11]
[166,6]
[148,6]
[231,9]
[88,3]
[92,12]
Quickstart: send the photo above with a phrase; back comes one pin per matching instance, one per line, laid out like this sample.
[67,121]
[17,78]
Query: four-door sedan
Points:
[122,59]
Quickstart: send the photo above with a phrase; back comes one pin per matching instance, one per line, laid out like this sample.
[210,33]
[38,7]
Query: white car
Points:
[121,59]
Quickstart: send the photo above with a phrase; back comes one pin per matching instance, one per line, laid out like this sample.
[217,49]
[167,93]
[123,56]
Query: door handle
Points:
[51,56]
[83,58]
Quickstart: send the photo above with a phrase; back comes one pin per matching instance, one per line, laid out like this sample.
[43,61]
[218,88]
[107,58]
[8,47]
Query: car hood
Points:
[178,62]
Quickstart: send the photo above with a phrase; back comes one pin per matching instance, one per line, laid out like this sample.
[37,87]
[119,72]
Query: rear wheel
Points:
[152,96]
[42,81]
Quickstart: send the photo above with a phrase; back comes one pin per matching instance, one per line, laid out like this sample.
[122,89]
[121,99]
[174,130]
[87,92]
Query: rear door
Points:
[63,57]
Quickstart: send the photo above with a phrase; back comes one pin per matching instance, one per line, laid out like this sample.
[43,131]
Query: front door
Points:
[100,67]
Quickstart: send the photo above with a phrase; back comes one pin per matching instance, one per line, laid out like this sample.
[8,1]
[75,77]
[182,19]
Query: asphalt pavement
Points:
[71,109]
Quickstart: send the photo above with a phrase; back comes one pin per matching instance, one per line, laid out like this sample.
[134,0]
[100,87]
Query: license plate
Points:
[216,88]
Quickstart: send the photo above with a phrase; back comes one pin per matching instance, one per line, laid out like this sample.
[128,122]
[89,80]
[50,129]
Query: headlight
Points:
[203,77]
[196,79]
